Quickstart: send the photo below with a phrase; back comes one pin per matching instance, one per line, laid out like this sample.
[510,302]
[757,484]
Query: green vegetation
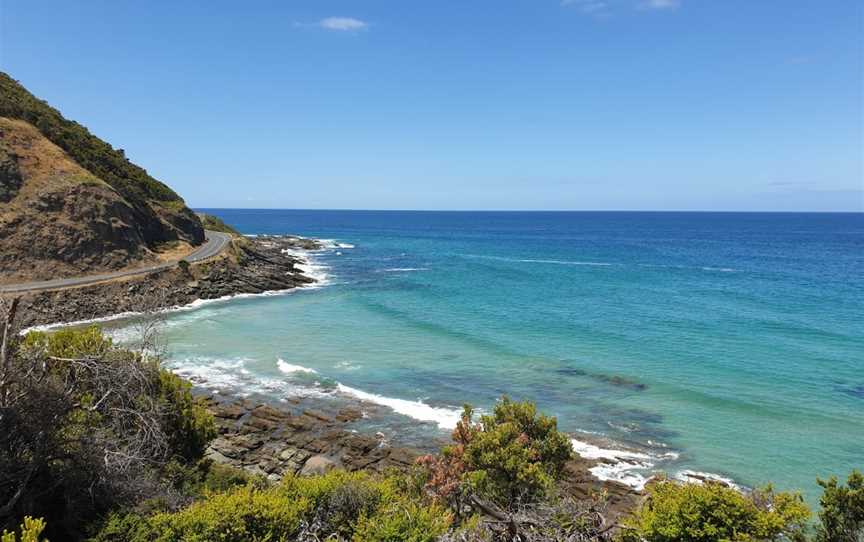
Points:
[215,223]
[101,444]
[93,154]
[713,512]
[30,531]
[333,506]
[513,456]
[842,515]
[87,427]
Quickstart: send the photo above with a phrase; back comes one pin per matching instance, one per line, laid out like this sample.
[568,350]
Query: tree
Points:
[842,514]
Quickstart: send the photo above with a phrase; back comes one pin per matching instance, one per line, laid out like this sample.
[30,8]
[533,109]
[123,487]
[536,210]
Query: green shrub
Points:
[211,222]
[92,427]
[30,531]
[188,423]
[842,514]
[712,512]
[336,505]
[70,343]
[510,457]
[247,514]
[404,521]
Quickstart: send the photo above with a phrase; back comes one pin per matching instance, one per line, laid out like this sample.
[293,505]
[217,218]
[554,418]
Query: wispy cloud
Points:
[589,7]
[604,8]
[660,4]
[343,24]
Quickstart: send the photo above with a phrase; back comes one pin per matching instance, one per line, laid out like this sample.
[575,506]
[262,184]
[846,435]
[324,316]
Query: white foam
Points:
[446,418]
[197,304]
[314,271]
[289,368]
[232,375]
[333,243]
[624,466]
[697,477]
[309,268]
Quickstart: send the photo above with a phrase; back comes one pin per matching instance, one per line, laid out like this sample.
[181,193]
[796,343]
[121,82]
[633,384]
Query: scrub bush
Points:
[510,457]
[842,514]
[30,531]
[713,512]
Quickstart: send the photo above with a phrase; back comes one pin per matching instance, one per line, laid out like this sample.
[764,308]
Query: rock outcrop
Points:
[251,266]
[270,442]
[71,204]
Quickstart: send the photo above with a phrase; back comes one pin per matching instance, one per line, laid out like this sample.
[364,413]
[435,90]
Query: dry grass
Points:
[42,163]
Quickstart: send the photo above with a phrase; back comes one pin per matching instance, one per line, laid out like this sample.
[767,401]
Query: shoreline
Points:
[598,458]
[267,265]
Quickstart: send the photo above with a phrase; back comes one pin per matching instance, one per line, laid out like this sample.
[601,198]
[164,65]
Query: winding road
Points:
[214,243]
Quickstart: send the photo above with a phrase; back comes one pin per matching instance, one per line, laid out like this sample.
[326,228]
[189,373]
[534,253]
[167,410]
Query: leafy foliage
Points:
[334,506]
[404,520]
[86,426]
[187,423]
[712,512]
[842,514]
[31,530]
[510,457]
[214,223]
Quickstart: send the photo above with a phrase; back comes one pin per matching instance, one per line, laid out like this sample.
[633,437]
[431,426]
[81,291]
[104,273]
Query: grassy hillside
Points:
[161,213]
[91,153]
[214,223]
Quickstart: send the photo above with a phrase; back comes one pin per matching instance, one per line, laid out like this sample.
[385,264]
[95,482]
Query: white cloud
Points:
[343,24]
[589,7]
[661,4]
[605,8]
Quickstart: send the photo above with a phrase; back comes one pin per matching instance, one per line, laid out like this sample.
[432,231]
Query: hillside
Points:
[70,203]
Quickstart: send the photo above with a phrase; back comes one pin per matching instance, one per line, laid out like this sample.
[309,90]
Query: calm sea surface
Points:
[714,342]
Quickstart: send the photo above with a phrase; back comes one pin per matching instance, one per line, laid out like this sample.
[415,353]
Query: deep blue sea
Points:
[723,343]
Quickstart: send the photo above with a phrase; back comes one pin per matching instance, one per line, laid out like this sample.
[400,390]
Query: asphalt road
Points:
[214,243]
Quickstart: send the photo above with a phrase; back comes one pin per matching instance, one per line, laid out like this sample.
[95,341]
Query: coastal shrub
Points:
[404,520]
[29,531]
[713,512]
[335,506]
[214,223]
[246,514]
[87,427]
[842,515]
[70,343]
[183,265]
[510,457]
[187,422]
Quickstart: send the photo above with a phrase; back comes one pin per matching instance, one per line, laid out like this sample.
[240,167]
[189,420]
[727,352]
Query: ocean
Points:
[721,343]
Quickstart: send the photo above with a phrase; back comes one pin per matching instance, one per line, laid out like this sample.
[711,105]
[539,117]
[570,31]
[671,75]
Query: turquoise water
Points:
[714,342]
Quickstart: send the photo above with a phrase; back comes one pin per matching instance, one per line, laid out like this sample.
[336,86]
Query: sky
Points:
[522,104]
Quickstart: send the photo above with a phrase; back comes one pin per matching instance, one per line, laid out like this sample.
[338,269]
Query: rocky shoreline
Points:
[250,266]
[272,440]
[266,438]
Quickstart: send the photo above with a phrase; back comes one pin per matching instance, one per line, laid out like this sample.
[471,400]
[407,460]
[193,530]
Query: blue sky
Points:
[523,104]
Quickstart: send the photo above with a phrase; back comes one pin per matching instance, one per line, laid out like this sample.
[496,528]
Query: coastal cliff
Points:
[71,203]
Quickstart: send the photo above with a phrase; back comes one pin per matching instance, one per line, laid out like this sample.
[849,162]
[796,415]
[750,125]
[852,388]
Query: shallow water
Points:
[713,342]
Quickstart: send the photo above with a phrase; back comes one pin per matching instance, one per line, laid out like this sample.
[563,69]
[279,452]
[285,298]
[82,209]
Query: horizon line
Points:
[694,211]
